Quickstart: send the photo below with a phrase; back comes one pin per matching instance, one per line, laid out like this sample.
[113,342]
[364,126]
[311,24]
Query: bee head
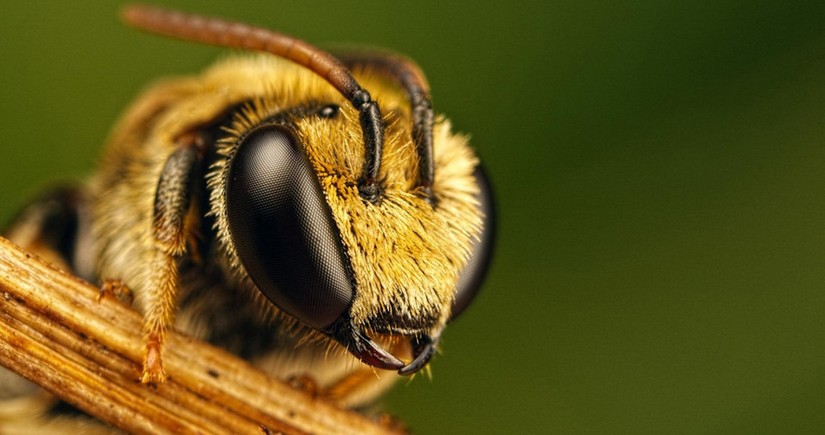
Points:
[359,225]
[361,272]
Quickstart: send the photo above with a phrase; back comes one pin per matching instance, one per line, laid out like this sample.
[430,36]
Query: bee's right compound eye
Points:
[282,228]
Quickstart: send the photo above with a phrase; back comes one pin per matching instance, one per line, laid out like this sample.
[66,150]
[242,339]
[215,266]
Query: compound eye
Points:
[282,228]
[471,278]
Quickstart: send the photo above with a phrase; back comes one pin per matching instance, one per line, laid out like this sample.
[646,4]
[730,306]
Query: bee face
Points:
[286,193]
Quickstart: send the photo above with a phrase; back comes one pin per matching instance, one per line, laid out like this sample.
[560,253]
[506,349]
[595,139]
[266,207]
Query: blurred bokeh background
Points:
[660,169]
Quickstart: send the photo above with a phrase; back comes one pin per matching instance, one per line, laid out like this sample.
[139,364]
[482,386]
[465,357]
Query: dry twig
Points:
[55,332]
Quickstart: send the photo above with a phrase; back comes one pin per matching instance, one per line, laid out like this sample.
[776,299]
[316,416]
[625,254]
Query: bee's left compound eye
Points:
[283,230]
[473,275]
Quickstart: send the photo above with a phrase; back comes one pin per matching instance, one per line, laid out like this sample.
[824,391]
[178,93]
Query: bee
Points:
[307,212]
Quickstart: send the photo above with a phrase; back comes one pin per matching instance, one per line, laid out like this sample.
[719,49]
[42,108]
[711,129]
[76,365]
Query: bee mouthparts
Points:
[370,353]
[423,349]
[365,349]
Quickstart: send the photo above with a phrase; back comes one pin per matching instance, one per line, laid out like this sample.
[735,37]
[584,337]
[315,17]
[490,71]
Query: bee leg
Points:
[304,383]
[349,384]
[170,233]
[118,289]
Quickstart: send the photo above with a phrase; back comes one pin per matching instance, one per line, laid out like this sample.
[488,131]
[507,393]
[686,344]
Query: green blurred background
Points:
[660,171]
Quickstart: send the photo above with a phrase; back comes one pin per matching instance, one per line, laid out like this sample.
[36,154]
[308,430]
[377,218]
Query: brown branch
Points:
[55,332]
